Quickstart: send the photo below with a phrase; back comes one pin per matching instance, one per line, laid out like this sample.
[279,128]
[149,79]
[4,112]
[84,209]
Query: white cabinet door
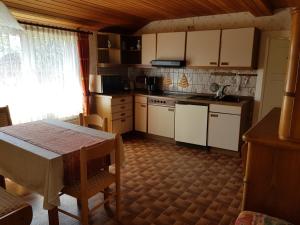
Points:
[161,121]
[171,45]
[191,124]
[237,47]
[148,48]
[140,117]
[224,131]
[203,47]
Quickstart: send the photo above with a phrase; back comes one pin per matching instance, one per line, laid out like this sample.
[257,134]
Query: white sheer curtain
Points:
[39,71]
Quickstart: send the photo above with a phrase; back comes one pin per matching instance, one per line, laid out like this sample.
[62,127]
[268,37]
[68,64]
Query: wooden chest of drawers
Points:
[118,111]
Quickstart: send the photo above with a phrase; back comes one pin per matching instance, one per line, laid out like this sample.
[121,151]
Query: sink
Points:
[203,97]
[230,98]
[226,98]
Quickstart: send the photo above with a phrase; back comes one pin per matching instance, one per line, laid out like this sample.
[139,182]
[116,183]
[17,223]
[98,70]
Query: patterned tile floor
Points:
[166,184]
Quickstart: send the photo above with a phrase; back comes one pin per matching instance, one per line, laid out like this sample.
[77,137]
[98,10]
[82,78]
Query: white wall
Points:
[281,20]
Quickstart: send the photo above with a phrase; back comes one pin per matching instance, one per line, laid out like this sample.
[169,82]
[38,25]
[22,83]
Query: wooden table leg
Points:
[53,216]
[2,182]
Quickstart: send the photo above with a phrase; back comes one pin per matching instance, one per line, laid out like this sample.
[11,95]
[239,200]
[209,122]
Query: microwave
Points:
[105,83]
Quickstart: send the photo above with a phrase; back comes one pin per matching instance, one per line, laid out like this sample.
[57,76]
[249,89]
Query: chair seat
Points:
[13,210]
[253,218]
[96,183]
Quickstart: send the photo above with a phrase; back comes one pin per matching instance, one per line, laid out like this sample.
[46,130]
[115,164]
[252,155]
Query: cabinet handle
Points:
[123,114]
[122,107]
[122,100]
[212,63]
[214,115]
[170,109]
[123,120]
[143,106]
[224,63]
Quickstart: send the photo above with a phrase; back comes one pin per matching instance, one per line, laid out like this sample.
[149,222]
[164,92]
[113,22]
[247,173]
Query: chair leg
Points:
[118,201]
[85,212]
[106,196]
[2,182]
[78,203]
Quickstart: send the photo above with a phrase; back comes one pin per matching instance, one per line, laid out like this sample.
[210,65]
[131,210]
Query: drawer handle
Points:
[122,107]
[143,106]
[123,120]
[212,63]
[224,63]
[123,114]
[170,109]
[214,115]
[122,100]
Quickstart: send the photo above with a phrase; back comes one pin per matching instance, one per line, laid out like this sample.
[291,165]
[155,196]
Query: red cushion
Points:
[253,218]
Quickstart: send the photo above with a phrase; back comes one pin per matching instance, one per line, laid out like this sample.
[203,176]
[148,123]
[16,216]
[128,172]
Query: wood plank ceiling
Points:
[132,14]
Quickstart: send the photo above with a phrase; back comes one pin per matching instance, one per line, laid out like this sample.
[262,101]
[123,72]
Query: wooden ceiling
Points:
[132,14]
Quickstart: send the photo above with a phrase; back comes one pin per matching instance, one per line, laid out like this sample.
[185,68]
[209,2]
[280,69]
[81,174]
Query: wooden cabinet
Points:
[140,113]
[117,110]
[171,45]
[239,47]
[202,48]
[149,48]
[109,51]
[272,178]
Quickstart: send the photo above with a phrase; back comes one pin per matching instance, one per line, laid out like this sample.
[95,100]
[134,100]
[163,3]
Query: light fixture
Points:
[7,20]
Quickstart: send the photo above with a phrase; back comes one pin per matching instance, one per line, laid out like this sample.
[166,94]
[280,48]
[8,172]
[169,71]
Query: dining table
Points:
[43,156]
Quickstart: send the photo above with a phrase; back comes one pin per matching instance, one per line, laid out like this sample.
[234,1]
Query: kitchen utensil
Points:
[214,87]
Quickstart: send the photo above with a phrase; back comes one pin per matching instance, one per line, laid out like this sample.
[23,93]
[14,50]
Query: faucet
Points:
[220,93]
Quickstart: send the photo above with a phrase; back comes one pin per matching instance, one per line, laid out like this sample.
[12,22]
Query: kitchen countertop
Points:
[180,97]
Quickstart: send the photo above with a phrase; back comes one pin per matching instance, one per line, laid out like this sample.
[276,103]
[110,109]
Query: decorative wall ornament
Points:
[167,81]
[184,83]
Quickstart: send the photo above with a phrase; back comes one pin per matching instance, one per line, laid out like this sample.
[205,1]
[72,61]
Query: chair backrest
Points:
[98,151]
[5,119]
[93,121]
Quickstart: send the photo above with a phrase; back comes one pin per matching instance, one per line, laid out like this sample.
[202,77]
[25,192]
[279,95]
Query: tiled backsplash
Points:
[199,80]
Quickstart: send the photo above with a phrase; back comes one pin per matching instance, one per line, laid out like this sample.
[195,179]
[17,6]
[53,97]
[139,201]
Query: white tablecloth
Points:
[36,168]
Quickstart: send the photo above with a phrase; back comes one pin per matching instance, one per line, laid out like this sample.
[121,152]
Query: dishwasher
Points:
[191,122]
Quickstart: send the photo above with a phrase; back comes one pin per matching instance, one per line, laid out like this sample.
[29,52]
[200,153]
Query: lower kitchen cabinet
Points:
[161,120]
[140,113]
[117,110]
[122,125]
[224,131]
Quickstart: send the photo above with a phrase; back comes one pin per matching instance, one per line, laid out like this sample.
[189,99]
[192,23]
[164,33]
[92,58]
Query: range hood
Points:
[168,63]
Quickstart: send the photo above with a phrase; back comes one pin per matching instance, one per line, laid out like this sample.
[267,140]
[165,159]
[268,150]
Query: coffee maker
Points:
[154,84]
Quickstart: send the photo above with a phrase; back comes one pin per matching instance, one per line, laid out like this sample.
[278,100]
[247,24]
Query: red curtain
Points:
[83,46]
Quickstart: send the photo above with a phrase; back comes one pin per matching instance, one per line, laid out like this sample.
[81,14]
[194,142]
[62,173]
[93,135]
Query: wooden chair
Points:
[13,210]
[90,186]
[93,121]
[5,119]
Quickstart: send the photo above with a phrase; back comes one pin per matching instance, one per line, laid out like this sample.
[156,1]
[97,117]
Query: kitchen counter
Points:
[185,98]
[180,97]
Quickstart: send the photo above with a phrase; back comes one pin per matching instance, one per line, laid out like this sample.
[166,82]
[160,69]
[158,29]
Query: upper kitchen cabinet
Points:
[149,48]
[171,45]
[131,49]
[108,48]
[239,48]
[202,48]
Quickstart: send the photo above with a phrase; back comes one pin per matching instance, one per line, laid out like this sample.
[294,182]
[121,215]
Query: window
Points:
[39,71]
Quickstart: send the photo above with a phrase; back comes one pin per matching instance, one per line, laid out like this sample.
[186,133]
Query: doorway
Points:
[275,74]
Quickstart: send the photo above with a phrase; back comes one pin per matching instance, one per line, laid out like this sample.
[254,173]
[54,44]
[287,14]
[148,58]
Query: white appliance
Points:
[191,124]
[161,116]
